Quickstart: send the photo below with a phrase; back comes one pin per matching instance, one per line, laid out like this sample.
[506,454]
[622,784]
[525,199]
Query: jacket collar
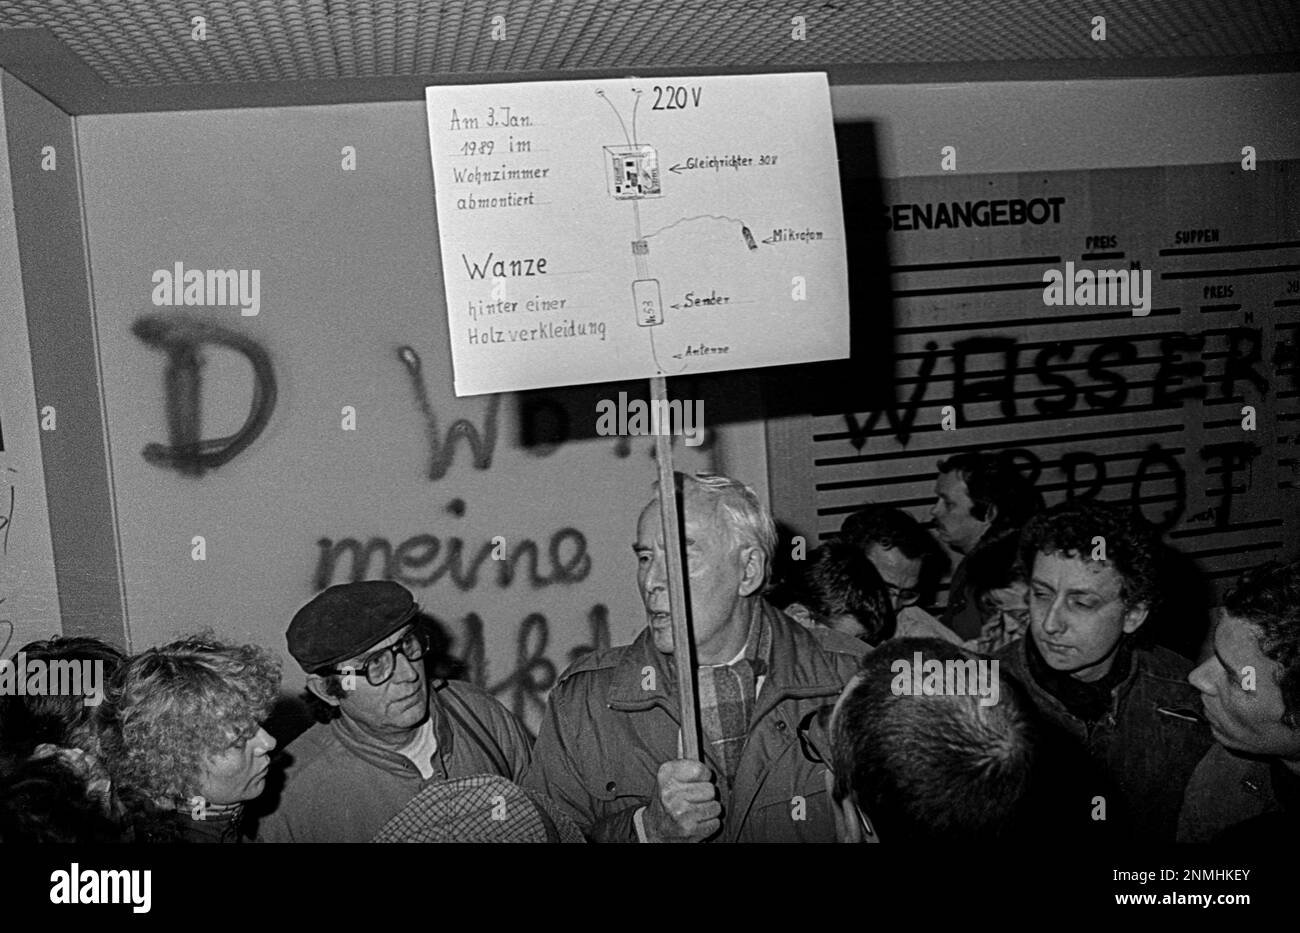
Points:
[796,669]
[364,745]
[1117,693]
[205,823]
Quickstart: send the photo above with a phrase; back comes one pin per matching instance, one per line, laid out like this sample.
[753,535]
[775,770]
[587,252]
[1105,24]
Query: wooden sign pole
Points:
[683,647]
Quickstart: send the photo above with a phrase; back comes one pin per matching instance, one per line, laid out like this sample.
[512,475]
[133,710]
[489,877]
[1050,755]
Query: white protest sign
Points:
[595,231]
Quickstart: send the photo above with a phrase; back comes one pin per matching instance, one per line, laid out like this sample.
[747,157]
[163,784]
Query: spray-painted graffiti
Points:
[415,563]
[8,502]
[1086,477]
[547,422]
[424,560]
[1179,375]
[443,450]
[181,338]
[524,688]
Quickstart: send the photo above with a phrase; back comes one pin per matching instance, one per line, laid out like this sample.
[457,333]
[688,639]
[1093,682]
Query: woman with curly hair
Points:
[185,743]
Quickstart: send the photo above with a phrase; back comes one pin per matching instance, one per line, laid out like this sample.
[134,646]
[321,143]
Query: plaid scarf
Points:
[728,693]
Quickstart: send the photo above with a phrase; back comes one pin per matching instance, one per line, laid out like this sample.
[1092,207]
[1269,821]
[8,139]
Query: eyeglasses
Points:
[868,832]
[902,597]
[819,720]
[1018,618]
[380,665]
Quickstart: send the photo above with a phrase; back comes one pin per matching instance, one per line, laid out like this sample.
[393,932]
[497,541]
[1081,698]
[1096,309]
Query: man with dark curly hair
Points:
[1092,584]
[184,737]
[1247,788]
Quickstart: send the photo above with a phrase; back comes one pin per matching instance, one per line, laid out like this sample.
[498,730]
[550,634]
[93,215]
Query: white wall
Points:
[29,606]
[349,273]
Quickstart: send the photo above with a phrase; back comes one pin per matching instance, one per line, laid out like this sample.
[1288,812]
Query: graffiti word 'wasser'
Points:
[21,677]
[639,417]
[240,288]
[104,886]
[1103,287]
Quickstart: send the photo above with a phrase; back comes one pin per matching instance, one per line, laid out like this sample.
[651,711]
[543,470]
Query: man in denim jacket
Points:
[1092,573]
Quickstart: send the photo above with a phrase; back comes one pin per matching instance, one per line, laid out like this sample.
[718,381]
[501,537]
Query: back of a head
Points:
[57,717]
[941,766]
[886,527]
[841,581]
[42,799]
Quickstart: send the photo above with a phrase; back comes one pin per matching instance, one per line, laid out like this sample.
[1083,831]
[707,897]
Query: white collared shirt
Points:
[422,749]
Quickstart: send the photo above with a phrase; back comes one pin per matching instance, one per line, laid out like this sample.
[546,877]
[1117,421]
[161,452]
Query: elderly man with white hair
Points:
[609,751]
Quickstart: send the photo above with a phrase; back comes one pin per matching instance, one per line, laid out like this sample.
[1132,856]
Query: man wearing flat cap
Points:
[390,730]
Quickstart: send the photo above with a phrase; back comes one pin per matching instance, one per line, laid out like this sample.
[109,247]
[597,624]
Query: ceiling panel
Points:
[101,54]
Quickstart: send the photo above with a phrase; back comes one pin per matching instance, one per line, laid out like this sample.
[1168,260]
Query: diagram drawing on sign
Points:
[632,173]
[726,188]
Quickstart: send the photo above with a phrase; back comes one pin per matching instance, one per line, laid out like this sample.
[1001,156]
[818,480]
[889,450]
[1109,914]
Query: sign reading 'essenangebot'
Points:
[595,231]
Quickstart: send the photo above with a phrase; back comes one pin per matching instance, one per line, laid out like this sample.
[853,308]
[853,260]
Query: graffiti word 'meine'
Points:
[415,562]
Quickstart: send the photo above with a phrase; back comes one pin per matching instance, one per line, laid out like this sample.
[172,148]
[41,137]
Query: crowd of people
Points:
[1093,722]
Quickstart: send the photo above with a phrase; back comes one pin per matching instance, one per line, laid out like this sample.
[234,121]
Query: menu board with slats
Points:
[1188,407]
